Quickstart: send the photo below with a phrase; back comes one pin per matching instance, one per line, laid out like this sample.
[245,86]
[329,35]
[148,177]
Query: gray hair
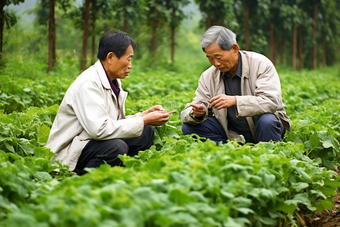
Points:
[224,37]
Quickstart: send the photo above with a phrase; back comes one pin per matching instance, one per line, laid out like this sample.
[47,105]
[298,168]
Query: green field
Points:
[178,181]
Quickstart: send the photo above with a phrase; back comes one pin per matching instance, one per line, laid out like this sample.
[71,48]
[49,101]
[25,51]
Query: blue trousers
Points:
[267,127]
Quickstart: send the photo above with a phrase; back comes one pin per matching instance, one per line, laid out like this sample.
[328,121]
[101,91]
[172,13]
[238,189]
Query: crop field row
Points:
[179,181]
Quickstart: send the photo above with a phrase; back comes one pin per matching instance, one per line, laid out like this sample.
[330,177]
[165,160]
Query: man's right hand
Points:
[156,118]
[197,109]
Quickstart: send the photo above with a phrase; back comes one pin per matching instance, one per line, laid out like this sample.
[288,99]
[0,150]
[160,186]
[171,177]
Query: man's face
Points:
[223,60]
[120,68]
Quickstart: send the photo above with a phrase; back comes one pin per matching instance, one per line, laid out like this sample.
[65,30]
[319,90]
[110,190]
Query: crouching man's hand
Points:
[153,109]
[222,101]
[155,116]
[197,109]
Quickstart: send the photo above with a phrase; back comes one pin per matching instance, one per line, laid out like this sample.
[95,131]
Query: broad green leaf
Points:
[9,147]
[314,140]
[327,144]
[242,202]
[232,223]
[244,210]
[198,196]
[17,219]
[43,176]
[43,133]
[327,204]
[287,207]
[299,186]
[228,195]
[301,198]
[267,220]
[180,196]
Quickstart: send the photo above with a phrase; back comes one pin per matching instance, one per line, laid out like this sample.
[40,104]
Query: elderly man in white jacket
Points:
[91,127]
[238,97]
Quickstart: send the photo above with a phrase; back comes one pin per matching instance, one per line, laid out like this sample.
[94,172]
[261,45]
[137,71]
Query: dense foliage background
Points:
[179,181]
[297,33]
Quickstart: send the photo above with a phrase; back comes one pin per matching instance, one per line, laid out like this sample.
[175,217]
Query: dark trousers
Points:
[96,153]
[267,127]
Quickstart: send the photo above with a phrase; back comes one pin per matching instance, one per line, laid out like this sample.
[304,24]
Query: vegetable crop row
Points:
[179,181]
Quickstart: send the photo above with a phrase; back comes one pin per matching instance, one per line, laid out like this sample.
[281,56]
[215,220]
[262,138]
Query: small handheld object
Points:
[174,111]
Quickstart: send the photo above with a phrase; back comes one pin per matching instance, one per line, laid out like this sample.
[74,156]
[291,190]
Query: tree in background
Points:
[315,19]
[308,42]
[51,36]
[307,27]
[50,17]
[292,16]
[157,15]
[329,21]
[276,25]
[250,7]
[252,16]
[99,8]
[85,34]
[128,11]
[84,18]
[303,28]
[177,16]
[93,30]
[300,31]
[216,12]
[7,18]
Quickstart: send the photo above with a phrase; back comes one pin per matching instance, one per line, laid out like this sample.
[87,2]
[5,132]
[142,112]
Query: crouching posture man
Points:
[240,94]
[91,127]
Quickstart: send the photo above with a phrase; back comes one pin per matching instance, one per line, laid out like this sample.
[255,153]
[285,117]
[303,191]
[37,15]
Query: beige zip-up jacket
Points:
[261,93]
[88,111]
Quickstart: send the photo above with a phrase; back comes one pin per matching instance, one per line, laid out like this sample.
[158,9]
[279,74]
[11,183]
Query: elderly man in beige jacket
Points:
[238,97]
[91,127]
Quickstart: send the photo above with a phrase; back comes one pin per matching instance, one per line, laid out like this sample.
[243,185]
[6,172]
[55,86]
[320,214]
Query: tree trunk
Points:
[94,12]
[294,46]
[247,28]
[217,18]
[300,49]
[51,37]
[335,59]
[314,35]
[1,26]
[218,21]
[208,21]
[154,36]
[172,38]
[324,63]
[86,34]
[275,48]
[272,42]
[125,29]
[283,43]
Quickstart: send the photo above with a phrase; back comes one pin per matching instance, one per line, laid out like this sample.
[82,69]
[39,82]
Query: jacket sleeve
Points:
[202,96]
[266,97]
[139,114]
[90,107]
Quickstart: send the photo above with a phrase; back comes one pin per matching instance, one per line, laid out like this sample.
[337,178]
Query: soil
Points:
[326,218]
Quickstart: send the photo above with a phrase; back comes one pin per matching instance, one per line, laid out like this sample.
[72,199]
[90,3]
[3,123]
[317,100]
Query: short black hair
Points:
[114,41]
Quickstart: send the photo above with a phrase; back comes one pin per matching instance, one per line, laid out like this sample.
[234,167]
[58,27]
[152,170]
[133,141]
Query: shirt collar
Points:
[113,83]
[238,72]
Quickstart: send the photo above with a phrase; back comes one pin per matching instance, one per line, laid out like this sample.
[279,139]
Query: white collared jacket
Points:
[90,110]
